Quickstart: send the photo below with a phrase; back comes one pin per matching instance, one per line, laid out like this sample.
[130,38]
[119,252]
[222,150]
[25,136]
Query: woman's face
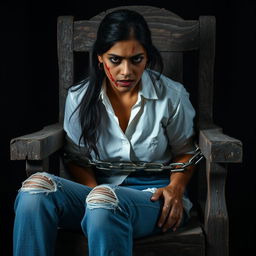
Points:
[124,64]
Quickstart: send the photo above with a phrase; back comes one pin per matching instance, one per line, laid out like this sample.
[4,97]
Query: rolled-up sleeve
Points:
[180,127]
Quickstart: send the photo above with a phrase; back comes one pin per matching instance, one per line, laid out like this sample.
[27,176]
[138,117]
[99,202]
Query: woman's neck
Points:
[121,96]
[122,104]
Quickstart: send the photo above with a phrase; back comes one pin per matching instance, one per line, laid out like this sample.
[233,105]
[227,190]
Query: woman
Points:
[125,111]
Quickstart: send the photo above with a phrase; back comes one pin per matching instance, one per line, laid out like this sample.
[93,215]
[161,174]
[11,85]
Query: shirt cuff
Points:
[187,147]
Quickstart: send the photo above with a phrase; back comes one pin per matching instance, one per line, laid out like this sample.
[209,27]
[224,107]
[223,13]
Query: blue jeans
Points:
[110,216]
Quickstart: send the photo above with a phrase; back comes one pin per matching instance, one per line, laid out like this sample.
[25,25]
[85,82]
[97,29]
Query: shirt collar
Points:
[147,88]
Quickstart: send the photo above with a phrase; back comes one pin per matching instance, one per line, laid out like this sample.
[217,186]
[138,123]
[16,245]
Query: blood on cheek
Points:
[110,75]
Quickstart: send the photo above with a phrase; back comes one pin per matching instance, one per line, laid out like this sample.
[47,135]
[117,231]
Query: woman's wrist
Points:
[177,184]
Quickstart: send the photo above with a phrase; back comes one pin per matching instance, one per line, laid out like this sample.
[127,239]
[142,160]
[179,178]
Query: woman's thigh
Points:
[142,213]
[68,197]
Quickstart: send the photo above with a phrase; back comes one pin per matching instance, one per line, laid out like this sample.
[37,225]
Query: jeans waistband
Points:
[164,173]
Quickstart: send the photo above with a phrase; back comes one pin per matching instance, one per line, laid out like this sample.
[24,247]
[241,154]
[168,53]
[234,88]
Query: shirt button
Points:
[125,142]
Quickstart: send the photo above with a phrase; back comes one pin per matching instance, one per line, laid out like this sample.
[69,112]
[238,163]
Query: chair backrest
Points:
[173,36]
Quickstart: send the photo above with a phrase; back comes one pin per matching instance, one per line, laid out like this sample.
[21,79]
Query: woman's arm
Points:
[181,179]
[82,175]
[172,194]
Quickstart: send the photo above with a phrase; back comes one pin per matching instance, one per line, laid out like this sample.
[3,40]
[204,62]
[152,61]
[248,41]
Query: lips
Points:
[125,83]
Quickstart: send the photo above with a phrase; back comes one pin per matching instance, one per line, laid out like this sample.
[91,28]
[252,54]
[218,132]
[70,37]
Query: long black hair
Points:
[116,26]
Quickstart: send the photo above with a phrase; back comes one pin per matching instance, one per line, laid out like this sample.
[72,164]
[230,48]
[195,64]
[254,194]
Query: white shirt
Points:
[160,125]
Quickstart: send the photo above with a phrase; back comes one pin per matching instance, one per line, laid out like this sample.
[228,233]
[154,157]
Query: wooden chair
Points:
[178,40]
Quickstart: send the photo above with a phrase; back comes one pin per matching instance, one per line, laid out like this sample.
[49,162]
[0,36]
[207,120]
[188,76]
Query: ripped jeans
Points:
[110,216]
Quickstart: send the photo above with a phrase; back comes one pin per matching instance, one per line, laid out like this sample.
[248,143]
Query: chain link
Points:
[146,166]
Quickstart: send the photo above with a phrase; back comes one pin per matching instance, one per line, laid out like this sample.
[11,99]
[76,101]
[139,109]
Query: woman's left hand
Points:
[172,211]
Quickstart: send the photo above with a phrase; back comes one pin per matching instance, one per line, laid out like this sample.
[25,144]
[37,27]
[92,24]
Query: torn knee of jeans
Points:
[102,196]
[39,183]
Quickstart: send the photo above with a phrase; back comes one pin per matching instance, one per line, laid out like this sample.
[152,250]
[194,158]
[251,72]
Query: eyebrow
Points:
[121,57]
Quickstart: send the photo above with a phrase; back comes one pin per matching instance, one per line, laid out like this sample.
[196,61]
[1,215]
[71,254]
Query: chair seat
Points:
[189,240]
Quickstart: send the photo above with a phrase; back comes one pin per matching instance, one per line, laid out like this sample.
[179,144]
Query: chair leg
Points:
[216,216]
[33,166]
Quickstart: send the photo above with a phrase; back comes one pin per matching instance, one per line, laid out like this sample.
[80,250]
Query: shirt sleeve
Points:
[72,150]
[180,127]
[71,123]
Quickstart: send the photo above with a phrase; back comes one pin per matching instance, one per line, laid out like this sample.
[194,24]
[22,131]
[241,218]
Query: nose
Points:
[126,68]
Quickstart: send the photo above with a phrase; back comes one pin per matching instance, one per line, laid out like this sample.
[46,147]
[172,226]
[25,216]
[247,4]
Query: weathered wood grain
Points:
[219,147]
[150,13]
[65,59]
[173,65]
[38,145]
[207,26]
[33,166]
[216,215]
[181,36]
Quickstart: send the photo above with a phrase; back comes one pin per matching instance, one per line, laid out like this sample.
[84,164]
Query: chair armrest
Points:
[219,150]
[38,145]
[219,147]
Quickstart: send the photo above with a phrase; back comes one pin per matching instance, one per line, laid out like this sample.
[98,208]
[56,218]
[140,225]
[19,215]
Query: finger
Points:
[178,222]
[157,195]
[172,220]
[164,215]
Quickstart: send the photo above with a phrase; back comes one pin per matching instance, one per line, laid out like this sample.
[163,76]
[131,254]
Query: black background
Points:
[29,92]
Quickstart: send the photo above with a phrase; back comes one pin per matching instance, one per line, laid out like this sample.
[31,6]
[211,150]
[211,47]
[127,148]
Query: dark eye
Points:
[137,59]
[115,60]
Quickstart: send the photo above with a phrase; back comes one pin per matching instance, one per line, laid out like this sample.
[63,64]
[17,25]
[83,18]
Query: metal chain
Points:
[145,166]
